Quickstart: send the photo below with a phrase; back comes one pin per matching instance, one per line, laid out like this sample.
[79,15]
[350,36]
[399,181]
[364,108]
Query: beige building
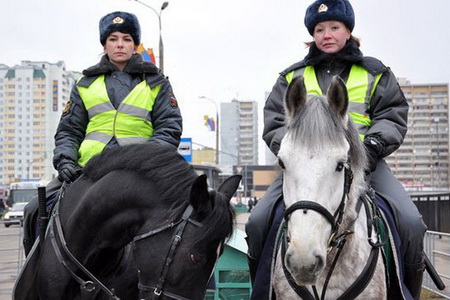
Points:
[422,162]
[202,156]
[32,98]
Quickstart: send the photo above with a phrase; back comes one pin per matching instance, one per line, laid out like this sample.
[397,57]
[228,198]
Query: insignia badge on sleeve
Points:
[173,101]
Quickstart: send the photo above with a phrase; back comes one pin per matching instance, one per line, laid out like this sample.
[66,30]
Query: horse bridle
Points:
[89,287]
[334,219]
[336,241]
[158,290]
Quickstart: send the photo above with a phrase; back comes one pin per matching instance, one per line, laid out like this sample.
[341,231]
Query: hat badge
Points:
[322,8]
[117,20]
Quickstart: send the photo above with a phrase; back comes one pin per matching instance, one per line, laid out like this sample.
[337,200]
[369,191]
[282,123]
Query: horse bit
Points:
[89,287]
[336,241]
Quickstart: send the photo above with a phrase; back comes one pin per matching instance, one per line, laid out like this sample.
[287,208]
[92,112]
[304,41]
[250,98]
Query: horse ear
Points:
[199,192]
[337,96]
[295,97]
[230,185]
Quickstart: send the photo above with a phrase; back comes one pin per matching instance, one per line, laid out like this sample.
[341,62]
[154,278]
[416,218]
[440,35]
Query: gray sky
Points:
[227,49]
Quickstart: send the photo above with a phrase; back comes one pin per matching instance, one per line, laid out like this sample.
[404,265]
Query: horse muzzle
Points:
[304,268]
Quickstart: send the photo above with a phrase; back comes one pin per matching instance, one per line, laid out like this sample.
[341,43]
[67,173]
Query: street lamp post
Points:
[217,126]
[161,46]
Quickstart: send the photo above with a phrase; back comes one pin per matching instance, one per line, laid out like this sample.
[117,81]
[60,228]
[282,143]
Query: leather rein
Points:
[337,240]
[90,287]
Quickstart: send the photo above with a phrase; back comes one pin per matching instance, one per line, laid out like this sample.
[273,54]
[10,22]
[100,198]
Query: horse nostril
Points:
[319,263]
[287,260]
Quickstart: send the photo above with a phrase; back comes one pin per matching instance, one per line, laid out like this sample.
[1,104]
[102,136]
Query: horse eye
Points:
[197,258]
[281,164]
[193,259]
[340,166]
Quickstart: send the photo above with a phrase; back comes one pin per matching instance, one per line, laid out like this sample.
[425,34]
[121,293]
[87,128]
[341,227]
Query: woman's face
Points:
[331,36]
[119,47]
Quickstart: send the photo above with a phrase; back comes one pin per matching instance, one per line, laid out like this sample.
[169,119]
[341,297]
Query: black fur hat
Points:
[120,21]
[328,10]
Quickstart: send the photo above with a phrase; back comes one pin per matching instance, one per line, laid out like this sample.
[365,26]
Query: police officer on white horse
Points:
[379,110]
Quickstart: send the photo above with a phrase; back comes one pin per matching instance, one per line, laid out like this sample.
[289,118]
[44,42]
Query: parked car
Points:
[15,214]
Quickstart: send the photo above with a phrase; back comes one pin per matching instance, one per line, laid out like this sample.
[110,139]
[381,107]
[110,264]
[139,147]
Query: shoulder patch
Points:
[373,65]
[173,100]
[67,108]
[86,81]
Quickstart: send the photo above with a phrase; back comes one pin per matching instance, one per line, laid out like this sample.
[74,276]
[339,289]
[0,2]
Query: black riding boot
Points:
[29,224]
[27,245]
[413,278]
[253,267]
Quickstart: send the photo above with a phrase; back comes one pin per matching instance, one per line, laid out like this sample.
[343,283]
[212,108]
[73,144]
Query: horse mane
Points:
[159,163]
[173,175]
[317,126]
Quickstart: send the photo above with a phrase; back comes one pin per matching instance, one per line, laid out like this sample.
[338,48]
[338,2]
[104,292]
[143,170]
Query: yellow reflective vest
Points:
[360,87]
[129,123]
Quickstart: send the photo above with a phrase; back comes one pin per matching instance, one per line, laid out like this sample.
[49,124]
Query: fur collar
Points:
[349,54]
[136,66]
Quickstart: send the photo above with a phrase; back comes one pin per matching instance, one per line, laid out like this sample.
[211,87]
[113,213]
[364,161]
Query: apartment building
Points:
[238,133]
[422,162]
[32,98]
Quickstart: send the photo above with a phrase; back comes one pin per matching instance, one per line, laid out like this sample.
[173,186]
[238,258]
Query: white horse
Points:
[327,248]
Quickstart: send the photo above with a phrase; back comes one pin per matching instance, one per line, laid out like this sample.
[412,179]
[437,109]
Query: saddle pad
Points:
[395,291]
[262,288]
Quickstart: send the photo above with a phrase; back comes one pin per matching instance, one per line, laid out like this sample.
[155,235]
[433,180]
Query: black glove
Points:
[372,159]
[68,172]
[373,150]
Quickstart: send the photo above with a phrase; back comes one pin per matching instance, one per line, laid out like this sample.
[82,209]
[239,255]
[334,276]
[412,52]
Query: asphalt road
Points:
[11,258]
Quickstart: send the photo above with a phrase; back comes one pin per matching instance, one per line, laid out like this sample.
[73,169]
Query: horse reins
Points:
[89,287]
[336,241]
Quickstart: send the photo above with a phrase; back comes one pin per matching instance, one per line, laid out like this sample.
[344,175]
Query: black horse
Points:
[138,224]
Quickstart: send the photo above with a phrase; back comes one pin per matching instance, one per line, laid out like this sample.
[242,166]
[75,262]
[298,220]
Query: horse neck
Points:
[109,225]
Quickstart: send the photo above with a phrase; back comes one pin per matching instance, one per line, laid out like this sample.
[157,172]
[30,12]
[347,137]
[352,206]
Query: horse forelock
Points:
[317,126]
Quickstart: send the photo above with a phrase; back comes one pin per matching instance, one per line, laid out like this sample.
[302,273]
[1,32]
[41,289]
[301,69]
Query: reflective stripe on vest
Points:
[360,87]
[129,124]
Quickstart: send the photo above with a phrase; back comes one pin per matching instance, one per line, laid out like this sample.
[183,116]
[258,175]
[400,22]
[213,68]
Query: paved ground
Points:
[440,258]
[241,219]
[10,252]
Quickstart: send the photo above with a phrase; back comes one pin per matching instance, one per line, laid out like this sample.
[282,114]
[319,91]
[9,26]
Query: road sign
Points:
[185,149]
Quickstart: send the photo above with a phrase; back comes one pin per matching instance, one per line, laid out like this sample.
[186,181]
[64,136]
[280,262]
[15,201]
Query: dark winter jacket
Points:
[388,108]
[165,115]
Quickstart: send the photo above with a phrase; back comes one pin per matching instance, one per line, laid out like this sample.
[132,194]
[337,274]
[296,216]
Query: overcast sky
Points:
[227,49]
